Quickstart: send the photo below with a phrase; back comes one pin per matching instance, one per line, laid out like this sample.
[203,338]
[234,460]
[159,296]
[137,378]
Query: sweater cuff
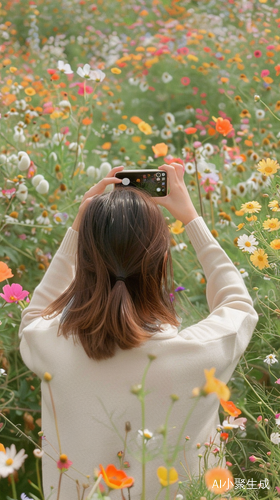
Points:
[198,233]
[69,243]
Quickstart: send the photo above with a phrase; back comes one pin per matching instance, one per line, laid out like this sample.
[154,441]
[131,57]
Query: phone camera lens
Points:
[125,181]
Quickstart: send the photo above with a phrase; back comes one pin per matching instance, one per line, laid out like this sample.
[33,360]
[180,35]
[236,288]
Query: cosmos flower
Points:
[13,293]
[167,477]
[64,68]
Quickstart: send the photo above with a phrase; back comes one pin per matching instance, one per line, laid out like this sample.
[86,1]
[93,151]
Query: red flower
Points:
[185,80]
[257,53]
[223,126]
[190,130]
[230,408]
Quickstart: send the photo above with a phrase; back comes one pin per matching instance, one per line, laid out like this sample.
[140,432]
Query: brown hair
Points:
[122,233]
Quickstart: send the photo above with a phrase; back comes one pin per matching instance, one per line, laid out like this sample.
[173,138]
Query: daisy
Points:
[271,224]
[247,243]
[268,167]
[169,119]
[275,438]
[274,206]
[190,167]
[270,359]
[11,460]
[166,77]
[251,207]
[147,434]
[275,244]
[259,259]
[260,114]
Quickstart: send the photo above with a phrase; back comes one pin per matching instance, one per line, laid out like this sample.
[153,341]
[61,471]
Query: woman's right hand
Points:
[178,201]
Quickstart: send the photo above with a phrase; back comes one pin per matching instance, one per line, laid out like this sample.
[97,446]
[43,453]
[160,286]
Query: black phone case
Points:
[153,181]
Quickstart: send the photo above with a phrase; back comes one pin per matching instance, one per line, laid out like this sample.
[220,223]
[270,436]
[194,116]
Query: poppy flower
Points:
[230,408]
[114,478]
[219,480]
[160,149]
[190,130]
[223,126]
[5,272]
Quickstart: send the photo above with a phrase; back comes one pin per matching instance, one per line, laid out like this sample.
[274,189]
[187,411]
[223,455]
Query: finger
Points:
[171,172]
[114,171]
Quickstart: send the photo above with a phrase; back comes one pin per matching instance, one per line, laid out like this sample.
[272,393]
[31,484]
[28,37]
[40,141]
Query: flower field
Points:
[89,86]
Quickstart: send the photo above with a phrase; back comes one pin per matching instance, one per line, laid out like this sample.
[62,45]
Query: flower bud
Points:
[43,187]
[127,426]
[135,389]
[105,168]
[93,173]
[257,98]
[23,161]
[38,453]
[22,192]
[152,357]
[47,377]
[37,179]
[174,397]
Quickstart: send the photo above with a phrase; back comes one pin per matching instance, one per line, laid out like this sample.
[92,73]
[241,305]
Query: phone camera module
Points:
[125,181]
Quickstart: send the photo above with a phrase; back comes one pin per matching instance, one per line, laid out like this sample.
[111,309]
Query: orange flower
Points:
[86,121]
[215,385]
[5,272]
[230,408]
[30,91]
[114,478]
[190,130]
[2,448]
[160,149]
[223,126]
[219,480]
[135,120]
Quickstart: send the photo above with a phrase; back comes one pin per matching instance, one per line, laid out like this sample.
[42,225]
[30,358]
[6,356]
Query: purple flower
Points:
[179,289]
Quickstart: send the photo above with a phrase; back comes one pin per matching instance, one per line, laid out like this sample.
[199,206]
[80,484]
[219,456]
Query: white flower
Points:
[57,139]
[247,243]
[23,161]
[147,434]
[85,71]
[105,168]
[277,419]
[93,172]
[190,167]
[260,114]
[97,75]
[2,372]
[274,438]
[143,86]
[74,146]
[19,135]
[270,359]
[179,497]
[11,460]
[43,220]
[166,77]
[37,179]
[64,68]
[24,497]
[243,273]
[43,187]
[38,453]
[61,218]
[179,247]
[133,80]
[53,156]
[22,192]
[208,149]
[65,104]
[169,119]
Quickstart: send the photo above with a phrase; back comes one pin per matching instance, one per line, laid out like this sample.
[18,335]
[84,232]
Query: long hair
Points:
[122,233]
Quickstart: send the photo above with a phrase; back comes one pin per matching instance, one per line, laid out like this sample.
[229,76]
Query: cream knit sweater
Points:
[88,392]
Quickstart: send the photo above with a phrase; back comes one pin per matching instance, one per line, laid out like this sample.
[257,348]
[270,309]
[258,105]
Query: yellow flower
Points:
[145,127]
[165,479]
[47,377]
[274,205]
[176,227]
[268,167]
[215,385]
[240,226]
[259,259]
[29,91]
[271,224]
[275,244]
[251,207]
[252,218]
[116,71]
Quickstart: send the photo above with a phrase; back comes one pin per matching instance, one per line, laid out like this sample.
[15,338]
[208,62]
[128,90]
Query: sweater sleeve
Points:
[232,317]
[56,280]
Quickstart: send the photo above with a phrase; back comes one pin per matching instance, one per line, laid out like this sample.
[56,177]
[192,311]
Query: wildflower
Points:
[251,207]
[167,477]
[247,243]
[166,77]
[213,385]
[22,192]
[260,114]
[23,161]
[176,227]
[268,167]
[259,259]
[97,75]
[85,71]
[223,126]
[114,478]
[270,359]
[10,460]
[63,463]
[13,293]
[64,68]
[277,419]
[274,206]
[234,423]
[160,149]
[252,458]
[60,218]
[147,434]
[218,480]
[274,438]
[190,130]
[145,128]
[47,377]
[271,224]
[275,244]
[5,272]
[230,408]
[38,453]
[24,497]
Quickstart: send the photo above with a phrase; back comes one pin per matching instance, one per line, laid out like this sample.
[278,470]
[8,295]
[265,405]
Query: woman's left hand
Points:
[99,188]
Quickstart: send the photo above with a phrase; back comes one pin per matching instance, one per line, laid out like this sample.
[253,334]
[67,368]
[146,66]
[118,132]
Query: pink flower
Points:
[82,88]
[265,72]
[252,458]
[277,381]
[183,50]
[22,236]
[277,489]
[257,53]
[13,293]
[63,463]
[8,192]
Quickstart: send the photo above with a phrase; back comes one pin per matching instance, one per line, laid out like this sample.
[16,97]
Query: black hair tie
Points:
[120,278]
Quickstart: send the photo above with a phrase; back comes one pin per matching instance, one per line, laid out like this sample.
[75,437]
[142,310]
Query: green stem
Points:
[17,249]
[267,107]
[13,484]
[55,420]
[159,493]
[39,478]
[198,188]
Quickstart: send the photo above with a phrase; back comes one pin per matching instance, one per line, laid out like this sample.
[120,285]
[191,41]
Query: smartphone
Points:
[152,181]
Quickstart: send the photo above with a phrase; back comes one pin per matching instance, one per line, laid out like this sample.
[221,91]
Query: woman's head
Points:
[122,233]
